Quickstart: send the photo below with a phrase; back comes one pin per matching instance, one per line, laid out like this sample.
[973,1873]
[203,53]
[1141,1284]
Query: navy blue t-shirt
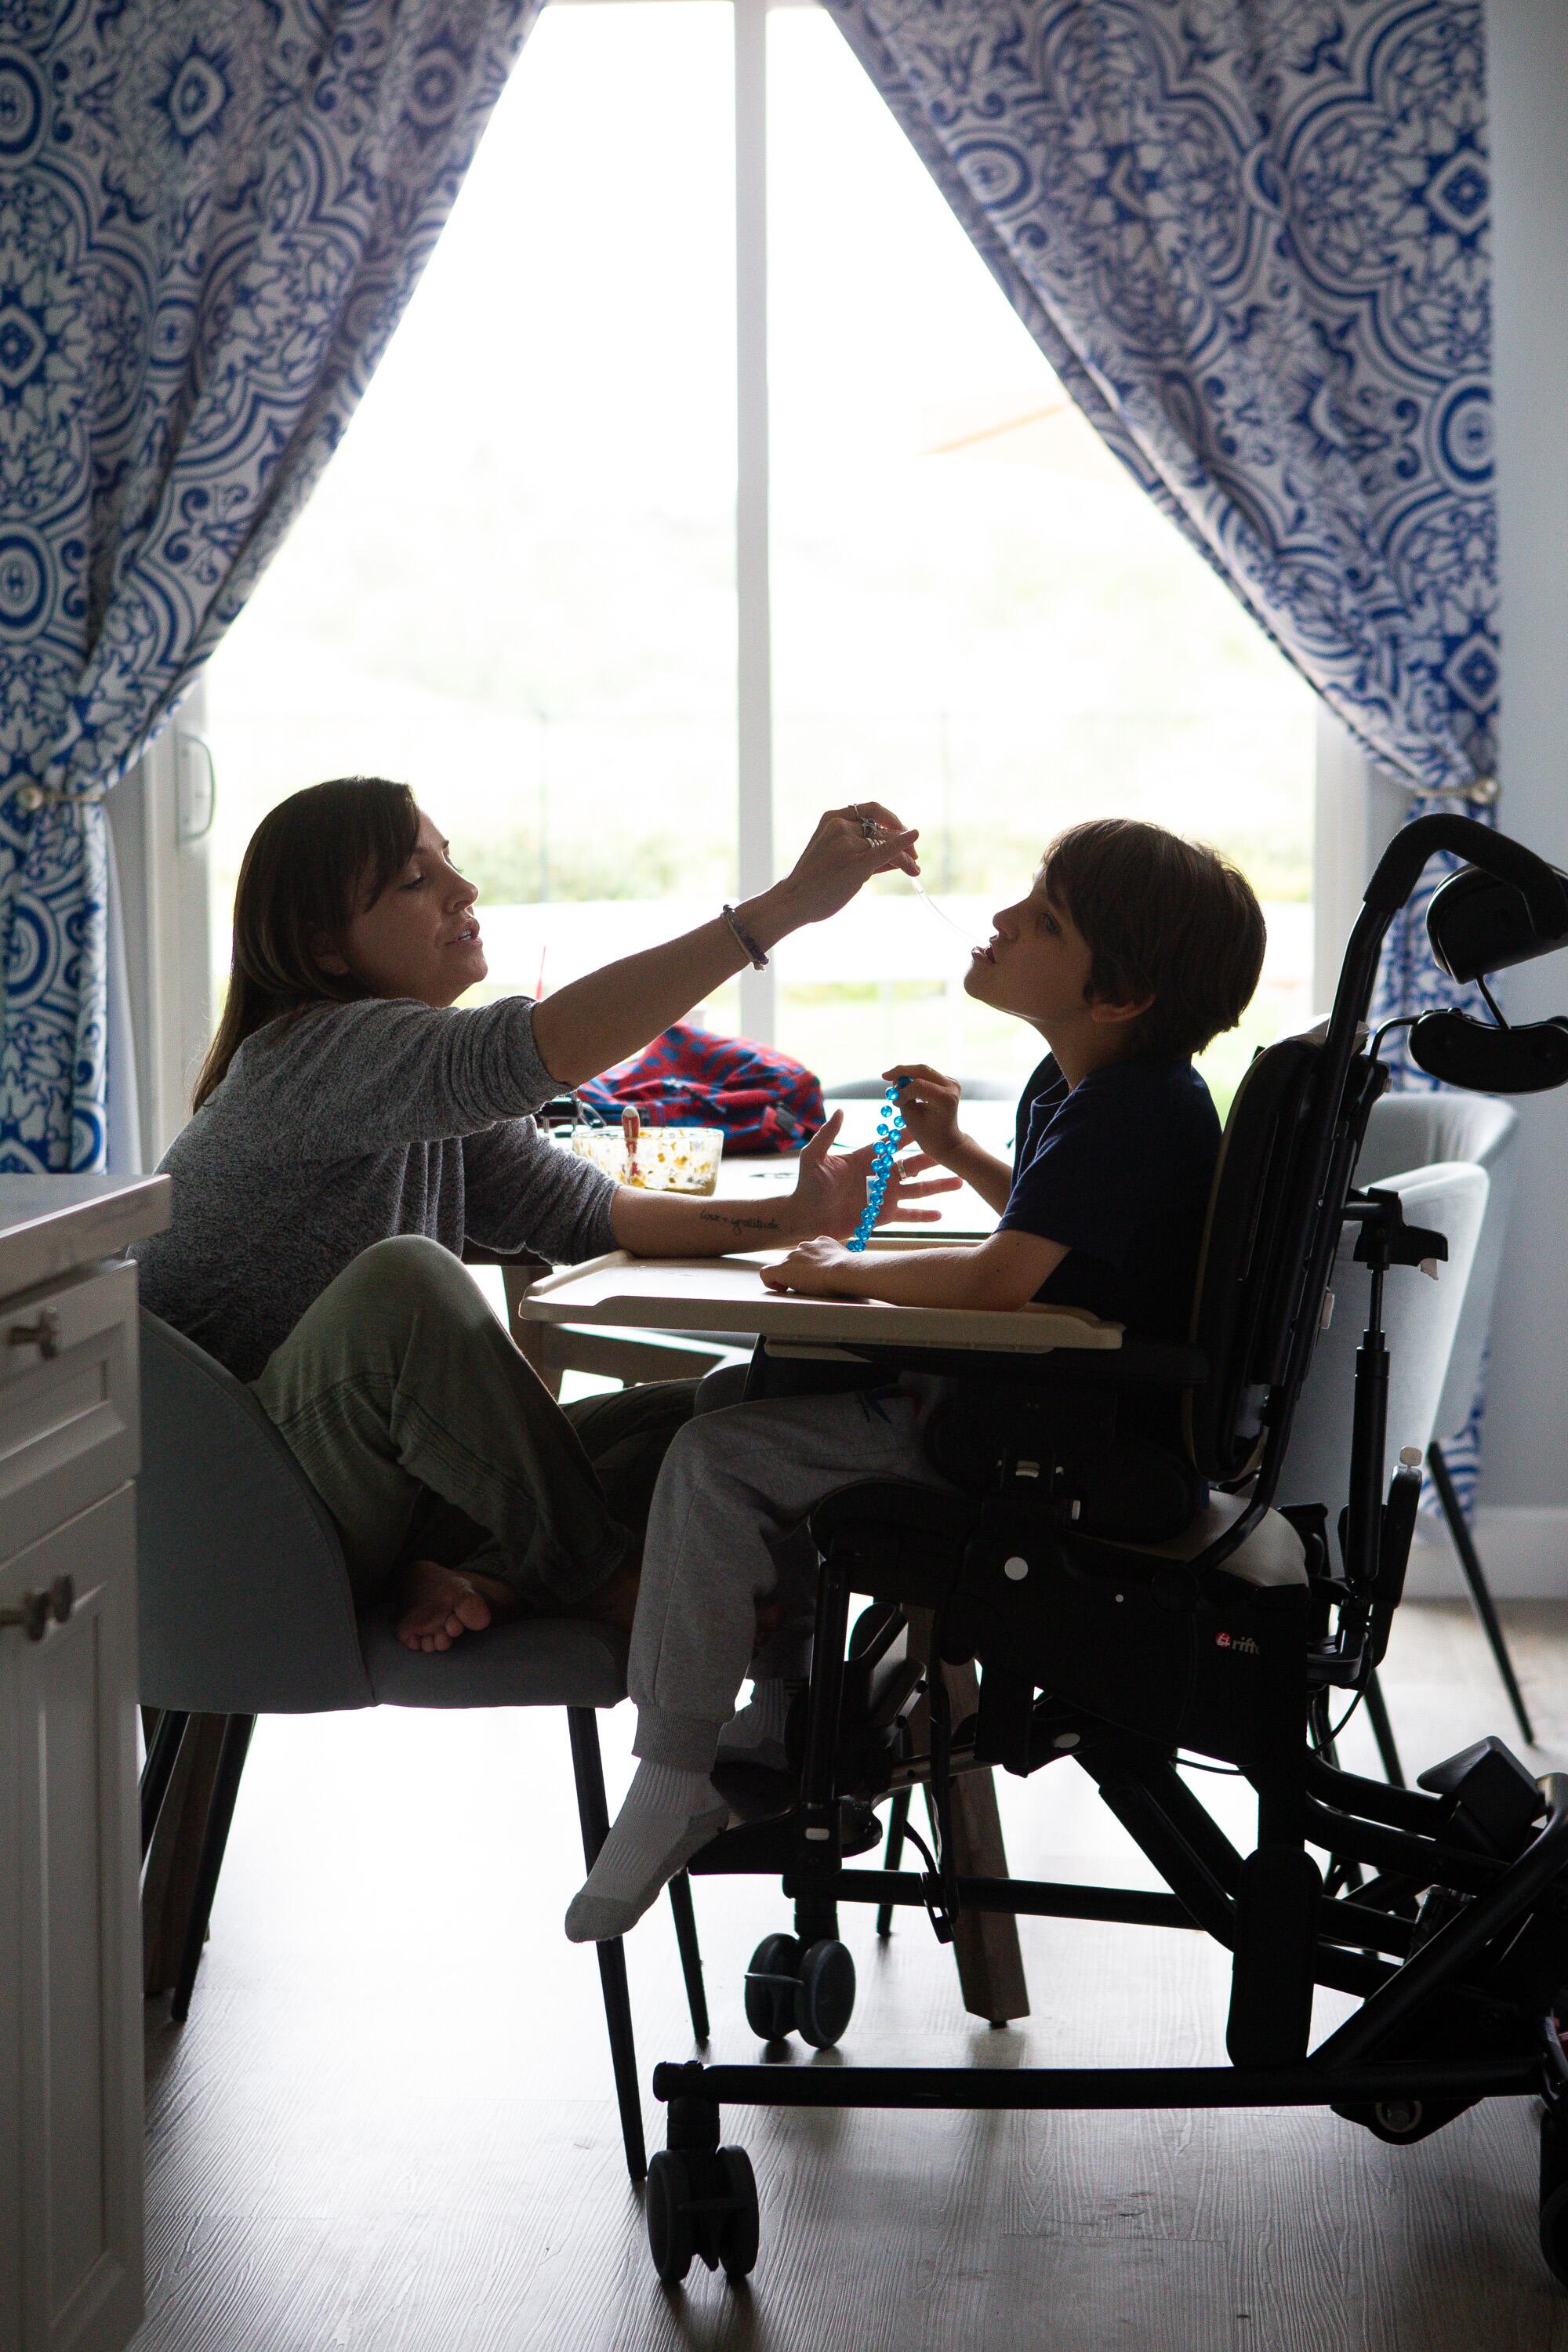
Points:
[1119,1170]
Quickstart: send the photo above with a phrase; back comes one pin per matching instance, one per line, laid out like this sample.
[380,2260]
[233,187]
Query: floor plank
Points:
[387,2124]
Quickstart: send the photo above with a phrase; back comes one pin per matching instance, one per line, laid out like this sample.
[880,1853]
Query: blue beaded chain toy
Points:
[890,1135]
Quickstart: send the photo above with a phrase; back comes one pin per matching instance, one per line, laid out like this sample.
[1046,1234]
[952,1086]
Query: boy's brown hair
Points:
[1161,918]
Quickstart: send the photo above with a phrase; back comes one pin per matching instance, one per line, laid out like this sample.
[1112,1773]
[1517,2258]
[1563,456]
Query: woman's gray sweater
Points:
[347,1125]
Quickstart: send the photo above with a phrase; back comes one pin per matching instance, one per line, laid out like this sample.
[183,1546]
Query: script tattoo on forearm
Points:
[738,1225]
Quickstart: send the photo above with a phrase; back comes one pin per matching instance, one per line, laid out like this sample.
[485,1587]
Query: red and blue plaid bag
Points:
[763,1100]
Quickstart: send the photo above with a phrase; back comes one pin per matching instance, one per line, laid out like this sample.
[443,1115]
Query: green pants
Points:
[426,1433]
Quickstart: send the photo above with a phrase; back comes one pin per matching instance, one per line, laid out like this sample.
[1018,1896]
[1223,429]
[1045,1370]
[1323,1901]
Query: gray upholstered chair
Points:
[245,1609]
[1420,1321]
[1406,1131]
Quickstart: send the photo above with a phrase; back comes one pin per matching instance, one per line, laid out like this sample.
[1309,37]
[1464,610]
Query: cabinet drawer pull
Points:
[34,1610]
[43,1334]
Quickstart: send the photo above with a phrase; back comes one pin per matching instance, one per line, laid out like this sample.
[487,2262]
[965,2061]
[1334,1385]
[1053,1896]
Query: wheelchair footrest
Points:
[770,1848]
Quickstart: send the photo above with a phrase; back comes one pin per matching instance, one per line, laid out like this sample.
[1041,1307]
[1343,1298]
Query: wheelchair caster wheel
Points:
[703,2204]
[824,1997]
[740,2225]
[1555,2233]
[772,1981]
[671,2226]
[1554,2196]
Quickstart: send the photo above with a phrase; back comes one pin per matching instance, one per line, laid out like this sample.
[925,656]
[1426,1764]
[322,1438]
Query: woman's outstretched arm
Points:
[600,1019]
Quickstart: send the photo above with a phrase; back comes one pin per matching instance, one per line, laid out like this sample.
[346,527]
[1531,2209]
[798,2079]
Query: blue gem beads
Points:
[890,1135]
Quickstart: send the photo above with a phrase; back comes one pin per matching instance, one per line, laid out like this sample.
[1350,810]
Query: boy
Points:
[1132,950]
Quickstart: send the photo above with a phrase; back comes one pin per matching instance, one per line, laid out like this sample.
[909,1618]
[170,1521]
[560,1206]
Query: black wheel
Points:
[772,1986]
[1555,2233]
[1554,2196]
[739,2227]
[824,1997]
[670,2234]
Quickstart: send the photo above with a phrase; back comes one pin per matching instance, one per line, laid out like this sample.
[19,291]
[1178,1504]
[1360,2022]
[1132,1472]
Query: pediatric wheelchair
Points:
[1127,1594]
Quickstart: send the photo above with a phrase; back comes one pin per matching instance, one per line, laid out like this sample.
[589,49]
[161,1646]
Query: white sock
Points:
[667,1815]
[756,1735]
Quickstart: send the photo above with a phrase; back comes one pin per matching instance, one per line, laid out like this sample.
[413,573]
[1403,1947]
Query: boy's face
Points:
[1037,966]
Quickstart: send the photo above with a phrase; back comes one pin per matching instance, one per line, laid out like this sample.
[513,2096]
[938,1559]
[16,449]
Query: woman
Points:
[351,1130]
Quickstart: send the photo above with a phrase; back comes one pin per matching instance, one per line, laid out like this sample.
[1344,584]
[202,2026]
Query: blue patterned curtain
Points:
[1252,238]
[212,213]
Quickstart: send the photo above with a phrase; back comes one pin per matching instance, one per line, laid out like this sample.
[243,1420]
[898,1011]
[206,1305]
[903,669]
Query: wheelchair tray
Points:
[724,1294]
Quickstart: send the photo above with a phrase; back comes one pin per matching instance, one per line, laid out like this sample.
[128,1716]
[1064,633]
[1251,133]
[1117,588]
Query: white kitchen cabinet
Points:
[70,2047]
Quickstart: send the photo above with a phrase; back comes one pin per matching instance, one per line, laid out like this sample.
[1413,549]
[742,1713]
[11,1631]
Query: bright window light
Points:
[515,584]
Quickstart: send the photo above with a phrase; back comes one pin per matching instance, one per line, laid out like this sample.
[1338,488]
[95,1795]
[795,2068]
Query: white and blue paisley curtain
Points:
[1252,237]
[211,214]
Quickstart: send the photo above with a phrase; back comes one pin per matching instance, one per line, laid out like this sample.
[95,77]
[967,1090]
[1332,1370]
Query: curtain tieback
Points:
[1481,790]
[30,797]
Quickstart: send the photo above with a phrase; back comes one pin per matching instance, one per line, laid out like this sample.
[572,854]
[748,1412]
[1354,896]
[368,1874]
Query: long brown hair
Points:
[313,863]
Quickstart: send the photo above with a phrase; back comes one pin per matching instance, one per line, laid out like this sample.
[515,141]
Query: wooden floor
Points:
[387,2124]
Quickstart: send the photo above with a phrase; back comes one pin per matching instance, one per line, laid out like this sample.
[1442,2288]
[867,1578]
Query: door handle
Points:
[34,1611]
[42,1333]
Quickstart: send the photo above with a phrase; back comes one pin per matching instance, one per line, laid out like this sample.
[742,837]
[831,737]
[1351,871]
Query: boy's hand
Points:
[930,1105]
[831,1187]
[820,1268]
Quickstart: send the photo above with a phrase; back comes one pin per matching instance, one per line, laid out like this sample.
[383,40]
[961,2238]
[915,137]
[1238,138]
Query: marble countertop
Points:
[53,1225]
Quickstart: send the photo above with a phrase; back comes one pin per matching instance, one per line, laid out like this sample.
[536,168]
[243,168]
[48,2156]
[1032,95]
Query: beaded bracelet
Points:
[890,1135]
[758,955]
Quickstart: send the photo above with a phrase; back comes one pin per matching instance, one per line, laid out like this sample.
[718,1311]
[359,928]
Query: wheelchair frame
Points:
[1460,1941]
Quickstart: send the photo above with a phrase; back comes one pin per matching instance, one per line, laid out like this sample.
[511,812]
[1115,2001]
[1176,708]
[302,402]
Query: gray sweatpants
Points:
[727,1528]
[425,1432]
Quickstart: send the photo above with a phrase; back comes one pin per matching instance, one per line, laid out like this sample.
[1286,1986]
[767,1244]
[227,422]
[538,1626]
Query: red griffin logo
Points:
[1243,1641]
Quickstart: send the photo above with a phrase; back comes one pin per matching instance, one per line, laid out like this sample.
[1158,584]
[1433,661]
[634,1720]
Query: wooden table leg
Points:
[168,1880]
[985,1943]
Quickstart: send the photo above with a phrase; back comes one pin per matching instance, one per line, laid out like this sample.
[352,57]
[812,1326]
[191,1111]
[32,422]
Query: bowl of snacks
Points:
[654,1158]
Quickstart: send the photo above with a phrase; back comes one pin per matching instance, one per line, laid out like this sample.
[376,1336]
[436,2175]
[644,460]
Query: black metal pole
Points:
[1383,1732]
[690,1953]
[162,1749]
[1065,2087]
[897,1822]
[231,1758]
[1475,1577]
[594,1813]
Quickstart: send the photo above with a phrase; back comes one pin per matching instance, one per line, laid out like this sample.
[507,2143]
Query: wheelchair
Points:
[1128,1594]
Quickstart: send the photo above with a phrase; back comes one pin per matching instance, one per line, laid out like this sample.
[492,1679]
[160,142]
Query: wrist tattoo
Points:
[738,1225]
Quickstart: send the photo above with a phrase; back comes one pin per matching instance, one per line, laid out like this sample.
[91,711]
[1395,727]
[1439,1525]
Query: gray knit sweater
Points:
[346,1126]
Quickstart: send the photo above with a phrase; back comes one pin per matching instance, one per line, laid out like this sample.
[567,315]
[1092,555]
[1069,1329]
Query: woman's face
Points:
[421,937]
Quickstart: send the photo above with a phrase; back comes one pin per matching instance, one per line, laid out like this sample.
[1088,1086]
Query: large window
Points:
[516,585]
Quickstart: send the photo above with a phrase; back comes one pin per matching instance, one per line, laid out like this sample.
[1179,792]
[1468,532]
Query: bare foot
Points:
[441,1604]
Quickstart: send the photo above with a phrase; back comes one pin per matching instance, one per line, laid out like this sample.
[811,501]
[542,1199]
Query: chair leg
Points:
[897,1822]
[1383,1732]
[1475,1577]
[594,1813]
[162,1749]
[690,1953]
[215,1838]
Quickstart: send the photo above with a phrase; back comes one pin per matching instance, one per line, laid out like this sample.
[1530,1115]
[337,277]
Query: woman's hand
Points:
[929,1104]
[847,847]
[819,1268]
[829,1194]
